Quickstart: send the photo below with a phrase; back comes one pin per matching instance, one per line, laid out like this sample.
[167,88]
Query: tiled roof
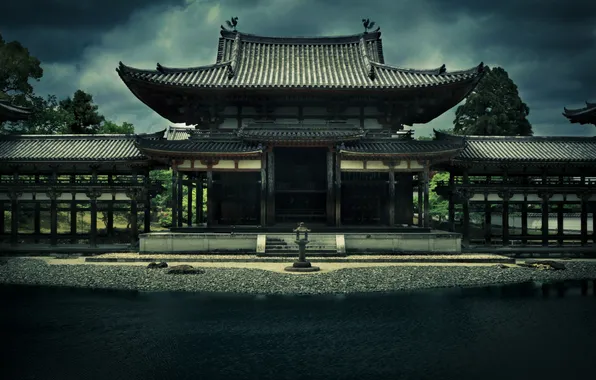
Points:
[197,146]
[10,112]
[586,115]
[528,149]
[178,133]
[303,132]
[401,146]
[70,147]
[248,61]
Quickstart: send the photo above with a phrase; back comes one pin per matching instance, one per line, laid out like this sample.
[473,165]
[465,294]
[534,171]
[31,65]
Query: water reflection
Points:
[465,333]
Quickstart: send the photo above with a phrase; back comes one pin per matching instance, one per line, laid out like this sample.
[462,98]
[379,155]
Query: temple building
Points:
[301,129]
[281,130]
[10,112]
[586,115]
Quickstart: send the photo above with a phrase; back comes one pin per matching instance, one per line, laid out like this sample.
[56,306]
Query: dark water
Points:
[512,333]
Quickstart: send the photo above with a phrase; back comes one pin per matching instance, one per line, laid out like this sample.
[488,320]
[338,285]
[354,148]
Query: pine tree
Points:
[493,108]
[84,112]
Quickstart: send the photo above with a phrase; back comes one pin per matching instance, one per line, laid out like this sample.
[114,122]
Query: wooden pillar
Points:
[190,188]
[134,229]
[337,189]
[488,223]
[37,220]
[545,197]
[391,196]
[560,226]
[584,218]
[73,218]
[174,198]
[330,200]
[199,199]
[179,199]
[420,199]
[451,210]
[524,220]
[1,218]
[53,217]
[505,217]
[93,232]
[466,217]
[263,191]
[427,223]
[594,222]
[210,200]
[110,226]
[270,188]
[14,218]
[147,209]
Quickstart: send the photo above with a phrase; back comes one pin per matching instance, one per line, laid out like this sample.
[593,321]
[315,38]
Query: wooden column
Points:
[545,197]
[37,220]
[14,217]
[451,210]
[426,196]
[1,218]
[110,226]
[465,193]
[147,215]
[560,221]
[391,196]
[584,217]
[337,189]
[174,198]
[179,199]
[189,197]
[199,199]
[210,200]
[53,217]
[420,199]
[93,232]
[506,195]
[524,220]
[263,191]
[488,223]
[330,200]
[134,228]
[594,222]
[270,188]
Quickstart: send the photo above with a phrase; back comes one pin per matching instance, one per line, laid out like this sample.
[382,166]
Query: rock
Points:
[502,266]
[3,261]
[154,265]
[544,265]
[185,269]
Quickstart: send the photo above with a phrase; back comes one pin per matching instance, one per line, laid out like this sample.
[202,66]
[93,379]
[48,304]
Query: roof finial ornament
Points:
[231,23]
[368,25]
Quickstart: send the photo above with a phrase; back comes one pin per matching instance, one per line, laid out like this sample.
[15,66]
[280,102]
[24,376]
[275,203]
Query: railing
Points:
[79,182]
[518,182]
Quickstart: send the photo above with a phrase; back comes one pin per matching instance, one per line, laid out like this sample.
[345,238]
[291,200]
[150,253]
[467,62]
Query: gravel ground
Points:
[256,281]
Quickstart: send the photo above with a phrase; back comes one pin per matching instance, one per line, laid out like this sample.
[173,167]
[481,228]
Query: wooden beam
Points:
[210,199]
[263,192]
[337,189]
[391,196]
[330,201]
[270,188]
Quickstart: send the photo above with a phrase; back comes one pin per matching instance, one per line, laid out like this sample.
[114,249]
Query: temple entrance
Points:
[300,185]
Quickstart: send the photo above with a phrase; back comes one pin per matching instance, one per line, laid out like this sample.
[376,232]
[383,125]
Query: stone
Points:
[502,266]
[3,261]
[544,265]
[154,265]
[185,269]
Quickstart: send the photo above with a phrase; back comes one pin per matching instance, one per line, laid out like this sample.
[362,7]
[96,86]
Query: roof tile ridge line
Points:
[235,56]
[369,68]
[437,71]
[168,70]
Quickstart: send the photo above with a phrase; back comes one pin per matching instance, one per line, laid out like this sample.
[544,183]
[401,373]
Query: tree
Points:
[109,127]
[493,108]
[17,67]
[47,117]
[438,207]
[86,119]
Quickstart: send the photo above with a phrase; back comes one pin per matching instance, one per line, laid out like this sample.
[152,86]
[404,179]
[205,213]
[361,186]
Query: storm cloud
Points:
[546,46]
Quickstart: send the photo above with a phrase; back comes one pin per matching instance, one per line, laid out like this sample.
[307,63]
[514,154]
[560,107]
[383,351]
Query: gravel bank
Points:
[256,281]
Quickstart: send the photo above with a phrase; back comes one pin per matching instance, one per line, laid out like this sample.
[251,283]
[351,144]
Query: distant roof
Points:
[178,133]
[71,147]
[300,133]
[585,115]
[527,149]
[250,61]
[10,112]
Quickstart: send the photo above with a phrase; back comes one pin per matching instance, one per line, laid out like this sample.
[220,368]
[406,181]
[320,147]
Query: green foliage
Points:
[439,207]
[47,118]
[84,112]
[493,108]
[17,66]
[109,127]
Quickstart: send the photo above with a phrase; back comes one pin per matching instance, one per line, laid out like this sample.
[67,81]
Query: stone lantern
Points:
[302,265]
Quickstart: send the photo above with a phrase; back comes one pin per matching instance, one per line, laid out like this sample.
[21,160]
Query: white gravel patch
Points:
[257,281]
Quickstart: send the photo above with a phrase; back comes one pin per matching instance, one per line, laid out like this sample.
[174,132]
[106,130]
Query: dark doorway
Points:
[300,185]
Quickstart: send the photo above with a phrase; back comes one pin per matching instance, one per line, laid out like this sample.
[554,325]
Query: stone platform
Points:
[282,244]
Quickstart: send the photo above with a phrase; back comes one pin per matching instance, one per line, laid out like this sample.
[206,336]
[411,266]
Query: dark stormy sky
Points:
[547,46]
